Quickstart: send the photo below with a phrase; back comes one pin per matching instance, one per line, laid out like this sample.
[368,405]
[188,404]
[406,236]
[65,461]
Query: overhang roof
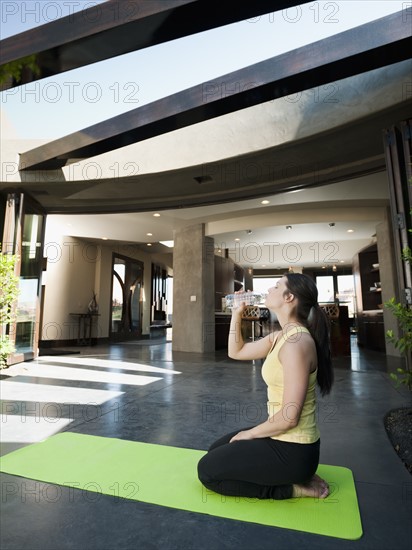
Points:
[115,27]
[340,151]
[382,42]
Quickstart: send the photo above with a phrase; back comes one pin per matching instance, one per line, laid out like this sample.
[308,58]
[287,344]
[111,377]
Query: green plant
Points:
[403,313]
[14,69]
[9,292]
[407,253]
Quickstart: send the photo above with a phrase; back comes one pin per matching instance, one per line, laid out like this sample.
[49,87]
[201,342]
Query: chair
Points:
[331,310]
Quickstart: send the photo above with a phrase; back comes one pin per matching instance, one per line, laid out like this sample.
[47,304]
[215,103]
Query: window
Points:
[262,284]
[325,289]
[346,292]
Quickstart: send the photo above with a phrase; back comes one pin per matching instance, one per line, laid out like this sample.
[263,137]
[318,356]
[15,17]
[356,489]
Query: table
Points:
[85,327]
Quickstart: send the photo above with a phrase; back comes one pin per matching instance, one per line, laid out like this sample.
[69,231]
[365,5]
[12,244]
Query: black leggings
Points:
[257,468]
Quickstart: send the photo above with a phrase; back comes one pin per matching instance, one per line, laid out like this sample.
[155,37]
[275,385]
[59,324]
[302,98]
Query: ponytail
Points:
[319,328]
[315,319]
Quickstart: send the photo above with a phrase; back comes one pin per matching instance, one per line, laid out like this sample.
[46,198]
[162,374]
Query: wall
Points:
[388,277]
[75,269]
[69,285]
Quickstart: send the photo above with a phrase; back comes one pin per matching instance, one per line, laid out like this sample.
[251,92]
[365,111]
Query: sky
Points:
[62,104]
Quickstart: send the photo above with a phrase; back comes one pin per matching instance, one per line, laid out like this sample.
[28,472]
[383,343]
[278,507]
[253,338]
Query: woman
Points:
[278,458]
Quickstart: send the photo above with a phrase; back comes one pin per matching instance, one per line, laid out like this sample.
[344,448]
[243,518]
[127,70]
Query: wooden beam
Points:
[364,48]
[117,27]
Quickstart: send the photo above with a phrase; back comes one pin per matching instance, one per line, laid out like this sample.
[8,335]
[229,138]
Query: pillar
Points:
[387,270]
[193,290]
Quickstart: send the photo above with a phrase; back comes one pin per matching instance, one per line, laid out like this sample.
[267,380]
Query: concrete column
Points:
[102,286]
[193,290]
[386,255]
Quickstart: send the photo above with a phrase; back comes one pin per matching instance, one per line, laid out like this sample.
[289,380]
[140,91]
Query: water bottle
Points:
[248,298]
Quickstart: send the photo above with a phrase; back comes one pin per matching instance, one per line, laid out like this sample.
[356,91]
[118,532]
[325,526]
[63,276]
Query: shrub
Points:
[9,292]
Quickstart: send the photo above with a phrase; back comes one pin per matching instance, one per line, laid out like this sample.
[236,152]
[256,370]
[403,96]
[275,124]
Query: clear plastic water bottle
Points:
[248,298]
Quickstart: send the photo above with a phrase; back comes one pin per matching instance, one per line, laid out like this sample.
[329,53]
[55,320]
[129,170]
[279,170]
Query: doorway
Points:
[22,223]
[127,298]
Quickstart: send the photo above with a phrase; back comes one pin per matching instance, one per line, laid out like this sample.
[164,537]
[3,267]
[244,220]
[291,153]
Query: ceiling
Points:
[264,241]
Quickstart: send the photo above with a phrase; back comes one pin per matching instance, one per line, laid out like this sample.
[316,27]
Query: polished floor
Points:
[145,392]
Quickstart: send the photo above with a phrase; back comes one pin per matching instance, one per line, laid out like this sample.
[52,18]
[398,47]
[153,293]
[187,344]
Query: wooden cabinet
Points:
[229,277]
[371,331]
[224,279]
[239,277]
[222,326]
[369,315]
[339,331]
[367,279]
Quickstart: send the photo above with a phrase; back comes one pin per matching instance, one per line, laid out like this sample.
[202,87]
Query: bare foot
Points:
[316,487]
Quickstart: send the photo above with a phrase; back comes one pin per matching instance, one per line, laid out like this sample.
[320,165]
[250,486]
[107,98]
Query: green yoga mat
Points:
[167,476]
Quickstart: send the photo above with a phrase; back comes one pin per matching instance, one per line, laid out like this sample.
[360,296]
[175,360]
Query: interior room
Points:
[320,231]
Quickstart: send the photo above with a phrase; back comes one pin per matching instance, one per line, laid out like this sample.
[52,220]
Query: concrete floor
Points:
[188,400]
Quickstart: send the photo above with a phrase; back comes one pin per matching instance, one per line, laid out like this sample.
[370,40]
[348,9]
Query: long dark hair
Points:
[314,318]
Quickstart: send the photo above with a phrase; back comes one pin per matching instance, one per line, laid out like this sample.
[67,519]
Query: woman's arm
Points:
[297,362]
[238,349]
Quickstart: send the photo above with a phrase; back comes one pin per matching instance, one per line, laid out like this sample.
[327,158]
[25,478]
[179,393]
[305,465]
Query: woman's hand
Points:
[238,309]
[246,434]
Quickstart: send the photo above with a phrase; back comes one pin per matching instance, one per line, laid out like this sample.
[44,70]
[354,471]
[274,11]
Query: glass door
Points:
[127,298]
[31,260]
[23,224]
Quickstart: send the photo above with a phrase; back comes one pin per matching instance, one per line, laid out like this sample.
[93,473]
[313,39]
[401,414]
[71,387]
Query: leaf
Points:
[9,292]
[14,69]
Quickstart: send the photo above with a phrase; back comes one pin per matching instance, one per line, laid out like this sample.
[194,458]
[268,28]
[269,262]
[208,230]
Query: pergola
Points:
[109,30]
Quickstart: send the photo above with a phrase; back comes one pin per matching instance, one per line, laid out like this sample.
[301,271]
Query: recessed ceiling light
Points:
[237,239]
[265,202]
[149,234]
[149,244]
[105,238]
[350,231]
[288,227]
[342,261]
[156,215]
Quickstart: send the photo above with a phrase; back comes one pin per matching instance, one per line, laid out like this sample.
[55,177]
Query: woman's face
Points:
[276,294]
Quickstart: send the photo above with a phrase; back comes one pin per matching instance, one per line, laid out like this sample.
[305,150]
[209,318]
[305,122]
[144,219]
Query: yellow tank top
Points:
[272,372]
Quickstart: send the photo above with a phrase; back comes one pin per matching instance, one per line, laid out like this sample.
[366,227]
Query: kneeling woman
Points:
[278,458]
